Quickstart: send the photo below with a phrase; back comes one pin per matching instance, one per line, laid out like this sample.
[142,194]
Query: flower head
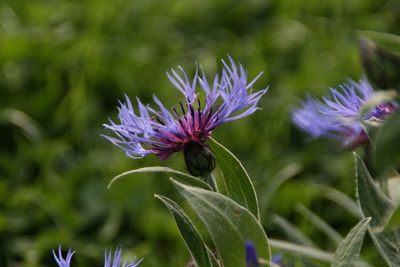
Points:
[164,131]
[116,262]
[108,261]
[60,260]
[341,115]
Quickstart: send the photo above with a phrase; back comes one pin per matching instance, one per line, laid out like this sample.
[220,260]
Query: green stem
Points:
[210,179]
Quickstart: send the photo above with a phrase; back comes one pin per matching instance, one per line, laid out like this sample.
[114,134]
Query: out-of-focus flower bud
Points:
[380,57]
[199,159]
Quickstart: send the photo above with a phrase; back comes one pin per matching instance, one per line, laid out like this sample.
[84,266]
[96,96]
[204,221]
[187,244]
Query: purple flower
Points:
[252,259]
[116,262]
[251,254]
[60,260]
[341,115]
[228,97]
[108,261]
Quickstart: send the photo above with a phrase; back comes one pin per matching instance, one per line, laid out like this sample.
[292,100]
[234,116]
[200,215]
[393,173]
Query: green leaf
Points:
[394,189]
[394,221]
[319,223]
[389,42]
[20,119]
[181,176]
[375,204]
[237,182]
[340,199]
[349,249]
[228,223]
[189,233]
[387,145]
[292,231]
[306,251]
[268,187]
[380,57]
[301,250]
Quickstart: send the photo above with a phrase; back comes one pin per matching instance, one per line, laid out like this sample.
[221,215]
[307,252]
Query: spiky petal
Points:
[116,261]
[61,261]
[161,131]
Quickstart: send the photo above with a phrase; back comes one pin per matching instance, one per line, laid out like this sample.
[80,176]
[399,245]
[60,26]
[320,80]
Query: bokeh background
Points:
[64,65]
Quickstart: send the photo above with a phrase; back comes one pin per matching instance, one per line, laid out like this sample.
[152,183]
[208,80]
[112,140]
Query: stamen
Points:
[183,127]
[160,121]
[199,111]
[192,113]
[210,113]
[176,112]
[183,109]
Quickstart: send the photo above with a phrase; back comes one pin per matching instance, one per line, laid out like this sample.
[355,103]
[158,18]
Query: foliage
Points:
[65,65]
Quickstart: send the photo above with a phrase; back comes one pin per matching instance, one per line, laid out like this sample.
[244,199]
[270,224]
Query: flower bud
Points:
[381,64]
[199,159]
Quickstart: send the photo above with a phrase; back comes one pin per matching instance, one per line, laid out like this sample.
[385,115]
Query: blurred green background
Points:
[64,66]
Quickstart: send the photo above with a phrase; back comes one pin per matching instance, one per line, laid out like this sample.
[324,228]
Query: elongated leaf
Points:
[238,183]
[228,223]
[380,57]
[394,221]
[375,204]
[319,223]
[387,41]
[301,250]
[306,251]
[23,121]
[292,231]
[341,199]
[271,185]
[189,233]
[181,176]
[394,189]
[349,249]
[387,145]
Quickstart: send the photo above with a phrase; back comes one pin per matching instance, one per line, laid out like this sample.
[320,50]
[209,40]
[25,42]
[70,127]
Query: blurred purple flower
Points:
[340,116]
[252,259]
[116,262]
[251,254]
[277,259]
[60,260]
[162,132]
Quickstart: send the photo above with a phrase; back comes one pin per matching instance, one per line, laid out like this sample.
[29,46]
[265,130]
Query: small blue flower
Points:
[251,254]
[162,131]
[252,259]
[340,116]
[108,261]
[60,259]
[116,262]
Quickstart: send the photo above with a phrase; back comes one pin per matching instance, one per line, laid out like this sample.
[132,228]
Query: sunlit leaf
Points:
[189,233]
[236,180]
[181,176]
[348,250]
[301,250]
[228,223]
[375,204]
